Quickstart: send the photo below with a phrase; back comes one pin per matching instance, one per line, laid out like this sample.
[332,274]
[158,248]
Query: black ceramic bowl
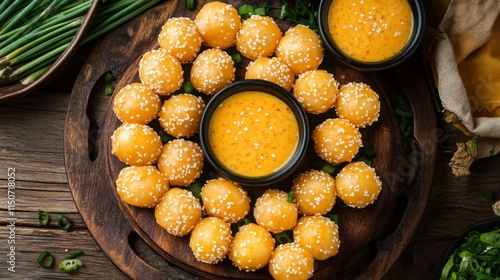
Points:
[410,47]
[481,227]
[270,88]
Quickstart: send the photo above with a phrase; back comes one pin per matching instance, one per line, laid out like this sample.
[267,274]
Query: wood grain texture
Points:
[371,229]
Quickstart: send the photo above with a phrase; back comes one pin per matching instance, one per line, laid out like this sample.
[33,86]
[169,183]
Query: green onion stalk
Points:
[33,34]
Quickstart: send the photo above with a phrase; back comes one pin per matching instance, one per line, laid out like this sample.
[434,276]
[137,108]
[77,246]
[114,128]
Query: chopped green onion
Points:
[109,89]
[45,259]
[70,265]
[64,222]
[187,86]
[334,218]
[109,77]
[164,137]
[486,194]
[75,254]
[242,222]
[236,57]
[190,4]
[476,258]
[283,237]
[290,198]
[328,168]
[365,160]
[43,217]
[403,113]
[195,188]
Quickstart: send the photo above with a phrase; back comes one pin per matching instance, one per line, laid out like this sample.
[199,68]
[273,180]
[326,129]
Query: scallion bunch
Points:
[33,34]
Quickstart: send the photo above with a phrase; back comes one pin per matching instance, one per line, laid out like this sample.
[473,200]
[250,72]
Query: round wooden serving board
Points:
[372,238]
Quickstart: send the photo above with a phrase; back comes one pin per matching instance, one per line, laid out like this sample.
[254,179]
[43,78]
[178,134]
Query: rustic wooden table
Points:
[31,150]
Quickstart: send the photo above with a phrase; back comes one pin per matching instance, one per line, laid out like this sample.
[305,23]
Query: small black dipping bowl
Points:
[481,227]
[270,88]
[410,47]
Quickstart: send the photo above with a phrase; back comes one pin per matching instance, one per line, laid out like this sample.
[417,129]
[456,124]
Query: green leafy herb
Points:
[301,12]
[165,137]
[236,57]
[487,194]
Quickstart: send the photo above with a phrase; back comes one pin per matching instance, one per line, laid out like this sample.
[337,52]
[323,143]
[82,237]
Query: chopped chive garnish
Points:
[195,188]
[64,222]
[290,198]
[486,194]
[75,254]
[365,160]
[45,259]
[109,77]
[190,4]
[43,217]
[333,217]
[70,265]
[164,137]
[283,237]
[328,168]
[403,113]
[236,57]
[187,86]
[109,89]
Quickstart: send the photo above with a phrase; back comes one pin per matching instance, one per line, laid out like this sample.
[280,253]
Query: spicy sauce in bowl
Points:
[371,34]
[254,132]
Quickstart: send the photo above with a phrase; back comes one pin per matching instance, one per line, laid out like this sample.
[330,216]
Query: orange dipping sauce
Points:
[253,133]
[370,30]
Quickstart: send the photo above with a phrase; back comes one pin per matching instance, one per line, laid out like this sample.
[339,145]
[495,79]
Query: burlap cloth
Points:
[466,57]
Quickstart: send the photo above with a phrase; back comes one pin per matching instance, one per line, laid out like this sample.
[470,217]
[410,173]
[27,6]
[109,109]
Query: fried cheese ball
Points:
[336,140]
[178,211]
[141,186]
[161,72]
[136,103]
[274,212]
[210,240]
[180,37]
[136,144]
[180,115]
[181,161]
[291,261]
[251,247]
[218,24]
[316,91]
[212,70]
[225,199]
[258,37]
[271,69]
[359,103]
[314,192]
[301,49]
[358,184]
[319,235]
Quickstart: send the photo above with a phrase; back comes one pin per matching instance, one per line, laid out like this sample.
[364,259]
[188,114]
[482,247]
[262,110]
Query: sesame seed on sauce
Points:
[253,133]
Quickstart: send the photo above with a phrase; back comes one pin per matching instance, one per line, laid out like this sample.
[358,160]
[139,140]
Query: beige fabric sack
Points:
[466,57]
